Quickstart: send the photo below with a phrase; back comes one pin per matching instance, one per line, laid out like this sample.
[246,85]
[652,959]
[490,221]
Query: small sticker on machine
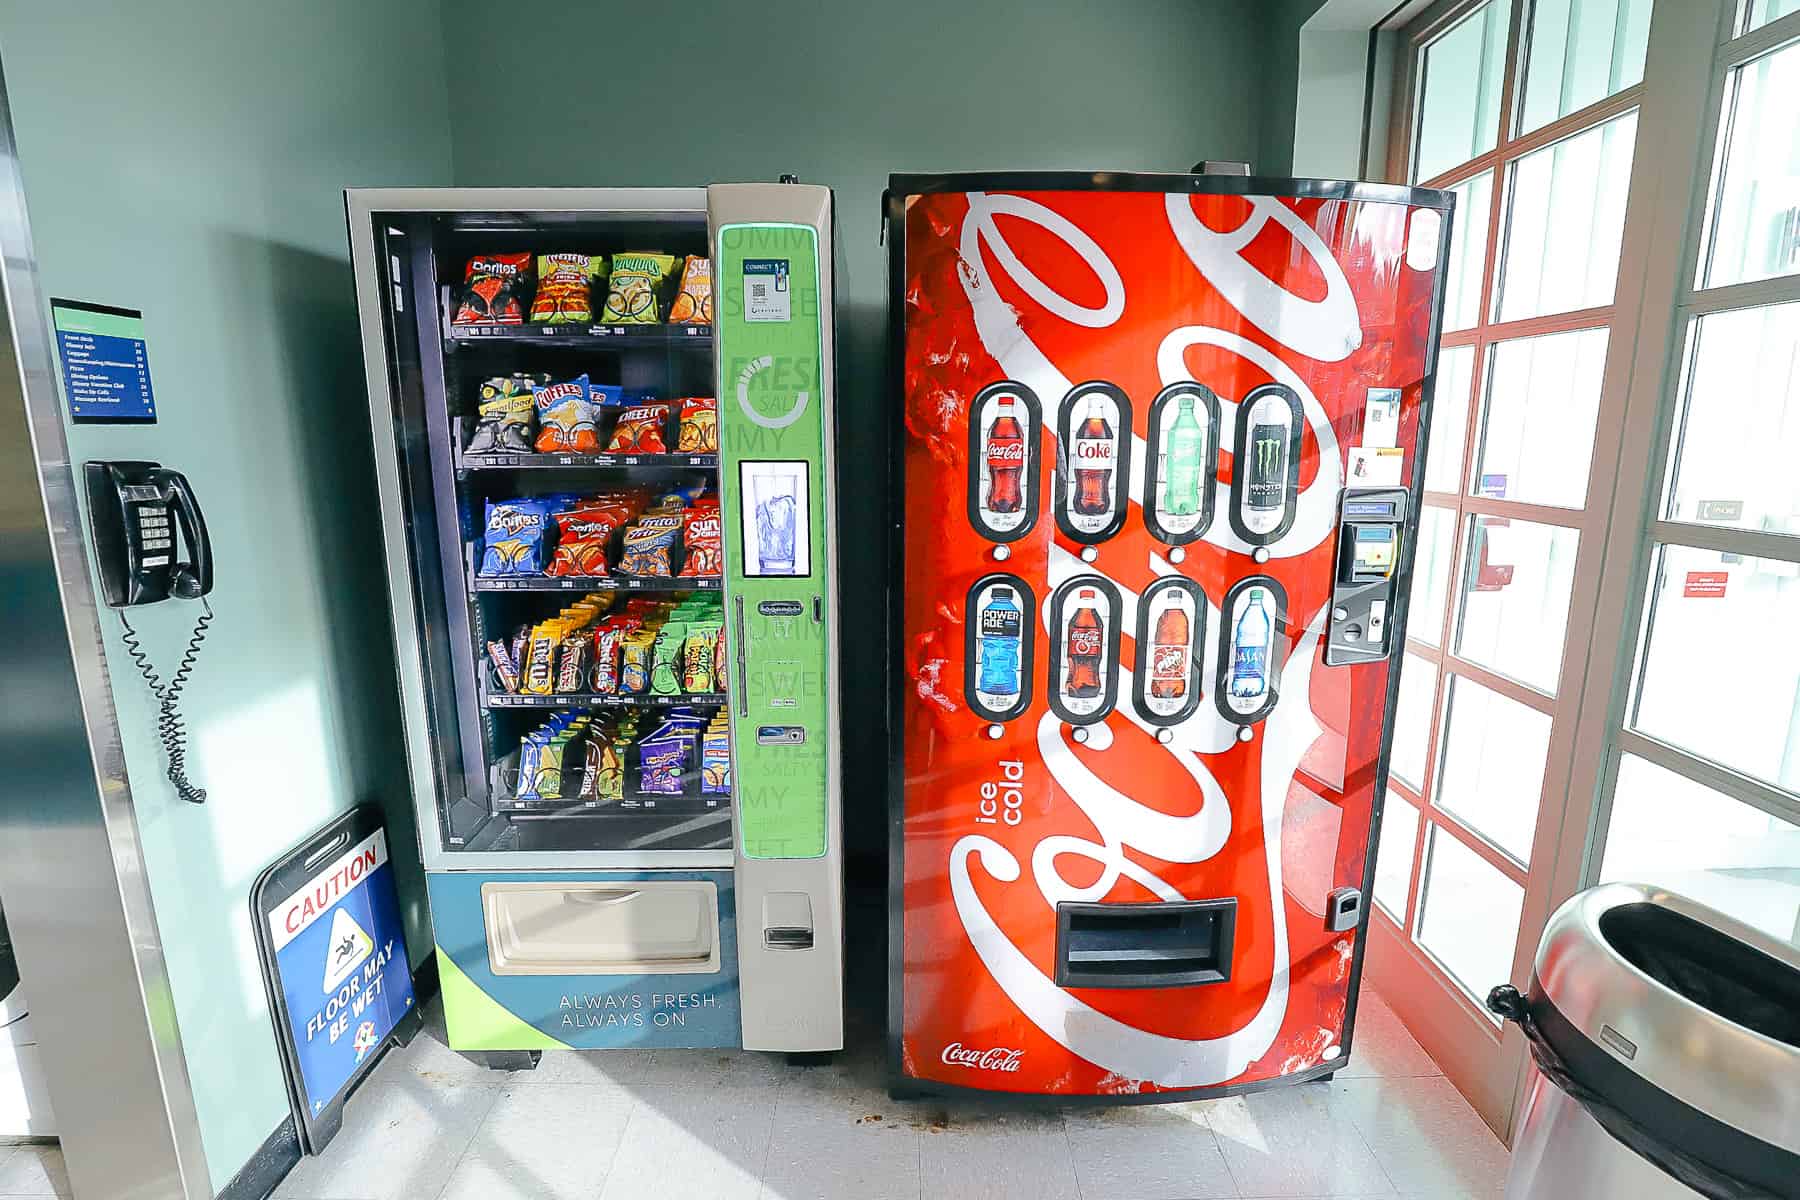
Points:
[767,296]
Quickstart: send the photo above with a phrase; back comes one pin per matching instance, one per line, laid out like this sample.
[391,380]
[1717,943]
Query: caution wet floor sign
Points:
[341,983]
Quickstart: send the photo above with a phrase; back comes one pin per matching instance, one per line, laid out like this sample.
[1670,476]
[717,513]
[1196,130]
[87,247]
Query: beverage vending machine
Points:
[603,425]
[1160,453]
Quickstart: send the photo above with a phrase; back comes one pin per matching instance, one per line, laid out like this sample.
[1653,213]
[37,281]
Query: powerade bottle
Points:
[1250,649]
[1000,630]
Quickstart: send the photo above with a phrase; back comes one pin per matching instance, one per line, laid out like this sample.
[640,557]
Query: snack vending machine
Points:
[1156,480]
[603,441]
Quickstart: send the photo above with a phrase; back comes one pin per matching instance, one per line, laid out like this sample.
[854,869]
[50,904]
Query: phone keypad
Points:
[154,532]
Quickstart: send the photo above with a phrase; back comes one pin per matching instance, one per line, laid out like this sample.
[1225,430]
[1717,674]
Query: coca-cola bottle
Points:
[1094,452]
[1084,649]
[1005,460]
[1169,655]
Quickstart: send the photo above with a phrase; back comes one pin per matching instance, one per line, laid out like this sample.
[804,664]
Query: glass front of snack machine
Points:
[610,599]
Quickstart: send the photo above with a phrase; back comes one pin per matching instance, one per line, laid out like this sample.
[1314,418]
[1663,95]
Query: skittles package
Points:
[563,287]
[694,304]
[494,290]
[514,541]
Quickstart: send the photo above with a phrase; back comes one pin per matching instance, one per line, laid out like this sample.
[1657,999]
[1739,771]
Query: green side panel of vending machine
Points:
[772,483]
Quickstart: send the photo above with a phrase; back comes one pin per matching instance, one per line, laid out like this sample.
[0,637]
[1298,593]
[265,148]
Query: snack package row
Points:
[563,288]
[530,414]
[643,647]
[584,756]
[573,535]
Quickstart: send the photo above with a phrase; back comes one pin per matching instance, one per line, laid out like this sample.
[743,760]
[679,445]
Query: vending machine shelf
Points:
[540,462]
[493,699]
[594,583]
[592,337]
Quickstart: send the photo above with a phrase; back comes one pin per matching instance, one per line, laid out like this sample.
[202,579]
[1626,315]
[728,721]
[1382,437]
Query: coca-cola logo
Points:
[1094,451]
[1006,452]
[1084,641]
[999,1058]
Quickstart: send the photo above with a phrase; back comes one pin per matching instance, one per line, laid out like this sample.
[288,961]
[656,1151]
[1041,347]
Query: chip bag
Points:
[566,415]
[702,534]
[693,304]
[632,288]
[649,546]
[583,534]
[640,430]
[505,417]
[563,285]
[699,429]
[494,290]
[514,539]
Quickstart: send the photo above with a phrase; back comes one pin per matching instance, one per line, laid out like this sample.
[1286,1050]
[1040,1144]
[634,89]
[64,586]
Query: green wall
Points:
[843,94]
[188,160]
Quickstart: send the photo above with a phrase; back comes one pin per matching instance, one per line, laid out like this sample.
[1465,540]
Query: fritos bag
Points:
[563,287]
[693,304]
[494,290]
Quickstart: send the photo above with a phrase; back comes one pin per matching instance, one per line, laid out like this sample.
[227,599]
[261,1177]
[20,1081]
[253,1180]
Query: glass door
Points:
[1700,783]
[1529,113]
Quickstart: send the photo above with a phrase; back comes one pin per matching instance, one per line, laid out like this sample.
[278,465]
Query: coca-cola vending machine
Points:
[1156,480]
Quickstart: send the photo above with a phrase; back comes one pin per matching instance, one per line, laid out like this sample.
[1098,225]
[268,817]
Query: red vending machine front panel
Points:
[1160,458]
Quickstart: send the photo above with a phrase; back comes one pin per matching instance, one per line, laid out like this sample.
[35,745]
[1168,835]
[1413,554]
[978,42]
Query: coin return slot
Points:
[1158,944]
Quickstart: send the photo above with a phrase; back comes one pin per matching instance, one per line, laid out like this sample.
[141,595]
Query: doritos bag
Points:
[566,415]
[564,281]
[494,290]
[583,535]
[513,542]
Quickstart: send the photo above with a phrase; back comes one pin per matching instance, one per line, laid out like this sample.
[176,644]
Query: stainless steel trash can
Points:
[1667,1041]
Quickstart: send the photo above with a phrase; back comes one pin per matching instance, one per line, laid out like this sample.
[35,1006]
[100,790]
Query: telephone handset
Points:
[135,510]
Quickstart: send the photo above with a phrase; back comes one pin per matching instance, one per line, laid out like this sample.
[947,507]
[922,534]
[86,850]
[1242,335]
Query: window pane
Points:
[1537,435]
[1394,855]
[1449,420]
[1756,215]
[1721,668]
[1459,99]
[1431,575]
[1468,251]
[1758,13]
[1515,598]
[1565,218]
[1739,436]
[1493,765]
[1412,721]
[1582,51]
[1468,914]
[1670,831]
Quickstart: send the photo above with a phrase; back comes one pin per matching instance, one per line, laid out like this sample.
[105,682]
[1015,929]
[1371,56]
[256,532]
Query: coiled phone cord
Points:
[170,728]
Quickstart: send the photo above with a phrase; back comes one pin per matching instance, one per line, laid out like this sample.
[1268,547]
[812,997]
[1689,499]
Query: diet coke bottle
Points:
[1005,460]
[1084,650]
[1094,454]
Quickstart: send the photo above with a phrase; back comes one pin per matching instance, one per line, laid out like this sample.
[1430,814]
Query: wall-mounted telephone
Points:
[135,512]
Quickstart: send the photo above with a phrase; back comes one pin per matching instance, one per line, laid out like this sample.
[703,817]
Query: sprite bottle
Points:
[1187,442]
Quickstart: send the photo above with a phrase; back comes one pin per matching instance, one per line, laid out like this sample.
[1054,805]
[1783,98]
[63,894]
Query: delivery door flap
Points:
[634,927]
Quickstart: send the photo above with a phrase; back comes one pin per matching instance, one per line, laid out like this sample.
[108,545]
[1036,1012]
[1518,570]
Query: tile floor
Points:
[32,1170]
[663,1125]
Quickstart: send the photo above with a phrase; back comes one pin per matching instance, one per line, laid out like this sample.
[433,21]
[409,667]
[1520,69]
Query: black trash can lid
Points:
[1660,995]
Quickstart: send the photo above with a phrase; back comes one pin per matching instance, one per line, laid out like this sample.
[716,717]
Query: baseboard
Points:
[280,1151]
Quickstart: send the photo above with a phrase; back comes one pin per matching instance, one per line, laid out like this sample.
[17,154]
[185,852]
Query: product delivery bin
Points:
[1667,1040]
